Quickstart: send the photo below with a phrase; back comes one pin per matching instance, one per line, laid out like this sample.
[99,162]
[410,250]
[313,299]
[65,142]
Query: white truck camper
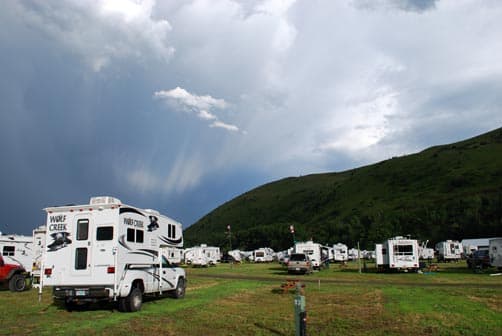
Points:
[315,253]
[495,252]
[341,253]
[17,249]
[397,254]
[109,251]
[450,250]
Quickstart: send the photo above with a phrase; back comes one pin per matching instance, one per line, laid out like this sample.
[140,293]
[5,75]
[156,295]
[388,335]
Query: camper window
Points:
[104,233]
[82,229]
[8,250]
[139,236]
[81,258]
[135,236]
[403,249]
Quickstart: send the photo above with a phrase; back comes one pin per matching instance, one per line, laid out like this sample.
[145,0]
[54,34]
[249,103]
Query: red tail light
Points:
[48,271]
[110,270]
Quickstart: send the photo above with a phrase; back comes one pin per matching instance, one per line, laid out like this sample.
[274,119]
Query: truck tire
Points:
[179,291]
[17,283]
[134,300]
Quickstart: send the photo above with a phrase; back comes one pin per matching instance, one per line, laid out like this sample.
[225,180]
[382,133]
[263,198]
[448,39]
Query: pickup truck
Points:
[13,276]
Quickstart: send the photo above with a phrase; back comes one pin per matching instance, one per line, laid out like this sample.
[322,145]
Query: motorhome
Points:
[397,253]
[110,251]
[449,250]
[495,252]
[264,254]
[340,253]
[317,256]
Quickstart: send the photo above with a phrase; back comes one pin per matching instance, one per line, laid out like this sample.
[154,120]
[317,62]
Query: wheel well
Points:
[139,284]
[14,272]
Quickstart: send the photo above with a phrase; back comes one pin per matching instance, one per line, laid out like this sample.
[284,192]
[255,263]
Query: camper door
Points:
[82,251]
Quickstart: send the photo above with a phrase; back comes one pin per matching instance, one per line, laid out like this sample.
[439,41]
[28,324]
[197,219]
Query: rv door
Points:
[82,251]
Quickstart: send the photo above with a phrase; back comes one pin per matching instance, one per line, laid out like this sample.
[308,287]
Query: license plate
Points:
[80,292]
[297,269]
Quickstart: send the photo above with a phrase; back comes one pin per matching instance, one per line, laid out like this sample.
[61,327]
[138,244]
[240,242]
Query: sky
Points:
[180,106]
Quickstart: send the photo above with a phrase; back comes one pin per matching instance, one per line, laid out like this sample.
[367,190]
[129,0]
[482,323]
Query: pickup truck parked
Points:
[12,275]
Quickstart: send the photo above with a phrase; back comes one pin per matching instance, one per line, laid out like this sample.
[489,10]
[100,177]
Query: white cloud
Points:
[198,104]
[228,127]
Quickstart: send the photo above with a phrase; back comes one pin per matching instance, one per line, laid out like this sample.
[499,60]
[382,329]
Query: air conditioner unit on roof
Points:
[104,200]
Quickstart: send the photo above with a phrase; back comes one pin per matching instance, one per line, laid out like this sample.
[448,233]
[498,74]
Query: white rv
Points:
[450,250]
[354,254]
[106,250]
[196,257]
[397,253]
[38,252]
[425,252]
[314,252]
[340,252]
[264,254]
[174,255]
[236,255]
[495,252]
[17,249]
[213,254]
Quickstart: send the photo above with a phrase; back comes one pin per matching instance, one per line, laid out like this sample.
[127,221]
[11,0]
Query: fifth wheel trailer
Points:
[110,251]
[397,253]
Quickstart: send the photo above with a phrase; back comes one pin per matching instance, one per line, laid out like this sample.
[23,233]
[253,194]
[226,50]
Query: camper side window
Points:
[8,250]
[135,235]
[81,258]
[82,229]
[104,233]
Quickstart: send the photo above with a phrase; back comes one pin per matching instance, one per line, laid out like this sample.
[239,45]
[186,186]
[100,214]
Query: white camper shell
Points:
[397,253]
[495,252]
[340,253]
[450,250]
[317,253]
[106,250]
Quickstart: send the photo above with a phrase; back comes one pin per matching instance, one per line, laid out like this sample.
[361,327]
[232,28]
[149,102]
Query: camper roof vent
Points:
[104,200]
[153,212]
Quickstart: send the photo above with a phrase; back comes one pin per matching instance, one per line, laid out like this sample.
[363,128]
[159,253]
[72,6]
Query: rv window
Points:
[139,236]
[130,235]
[173,232]
[8,250]
[403,249]
[104,233]
[169,234]
[82,229]
[81,258]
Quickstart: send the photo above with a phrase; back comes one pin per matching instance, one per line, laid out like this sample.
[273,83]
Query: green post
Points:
[300,312]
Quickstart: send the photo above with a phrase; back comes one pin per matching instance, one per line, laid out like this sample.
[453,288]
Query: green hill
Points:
[445,192]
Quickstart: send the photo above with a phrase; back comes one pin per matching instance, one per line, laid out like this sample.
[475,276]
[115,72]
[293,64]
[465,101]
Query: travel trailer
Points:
[397,253]
[316,253]
[110,251]
[340,252]
[450,250]
[196,257]
[264,254]
[212,253]
[174,255]
[495,252]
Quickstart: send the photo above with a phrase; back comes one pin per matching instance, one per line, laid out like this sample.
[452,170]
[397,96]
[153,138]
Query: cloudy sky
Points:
[182,105]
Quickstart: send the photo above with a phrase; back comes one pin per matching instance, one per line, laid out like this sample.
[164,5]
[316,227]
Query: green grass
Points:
[453,301]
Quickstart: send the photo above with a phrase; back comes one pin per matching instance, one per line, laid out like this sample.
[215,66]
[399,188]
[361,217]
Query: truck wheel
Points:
[179,291]
[17,283]
[122,306]
[134,300]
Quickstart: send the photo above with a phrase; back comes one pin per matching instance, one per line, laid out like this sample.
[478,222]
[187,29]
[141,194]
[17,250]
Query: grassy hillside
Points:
[445,192]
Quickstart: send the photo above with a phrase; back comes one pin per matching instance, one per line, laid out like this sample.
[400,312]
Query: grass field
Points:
[247,300]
